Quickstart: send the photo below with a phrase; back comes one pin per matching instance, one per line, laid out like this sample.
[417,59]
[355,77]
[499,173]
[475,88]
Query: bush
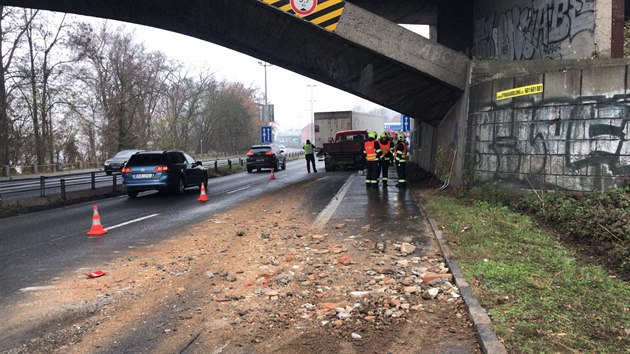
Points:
[597,221]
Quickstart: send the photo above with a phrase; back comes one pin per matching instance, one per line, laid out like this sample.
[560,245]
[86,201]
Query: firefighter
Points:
[400,156]
[372,152]
[387,147]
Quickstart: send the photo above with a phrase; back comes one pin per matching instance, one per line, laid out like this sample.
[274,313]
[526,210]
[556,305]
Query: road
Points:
[255,269]
[22,188]
[38,247]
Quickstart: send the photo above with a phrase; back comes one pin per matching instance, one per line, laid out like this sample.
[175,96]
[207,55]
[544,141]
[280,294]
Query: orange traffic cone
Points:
[203,197]
[97,228]
[272,175]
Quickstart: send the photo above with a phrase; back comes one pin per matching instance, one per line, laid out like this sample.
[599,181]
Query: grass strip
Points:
[541,297]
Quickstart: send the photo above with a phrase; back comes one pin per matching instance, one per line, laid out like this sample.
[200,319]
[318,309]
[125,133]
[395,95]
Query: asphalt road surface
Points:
[37,247]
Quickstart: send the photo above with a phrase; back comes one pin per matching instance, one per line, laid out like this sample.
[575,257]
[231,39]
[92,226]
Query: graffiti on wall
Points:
[540,31]
[530,145]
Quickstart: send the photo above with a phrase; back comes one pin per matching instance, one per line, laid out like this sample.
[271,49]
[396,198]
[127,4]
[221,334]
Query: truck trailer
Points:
[328,123]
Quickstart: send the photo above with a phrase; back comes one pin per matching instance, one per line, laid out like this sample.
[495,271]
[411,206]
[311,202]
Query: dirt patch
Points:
[258,278]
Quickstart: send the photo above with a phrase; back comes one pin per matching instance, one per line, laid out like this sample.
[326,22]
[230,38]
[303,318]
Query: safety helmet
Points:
[400,136]
[372,135]
[384,135]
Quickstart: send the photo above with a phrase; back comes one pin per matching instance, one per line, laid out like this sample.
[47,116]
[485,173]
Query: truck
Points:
[341,135]
[345,150]
[326,124]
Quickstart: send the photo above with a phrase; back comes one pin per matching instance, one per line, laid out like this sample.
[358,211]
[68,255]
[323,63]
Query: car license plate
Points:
[144,175]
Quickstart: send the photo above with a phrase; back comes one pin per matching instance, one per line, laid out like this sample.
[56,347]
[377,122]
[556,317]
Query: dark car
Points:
[265,156]
[116,163]
[165,171]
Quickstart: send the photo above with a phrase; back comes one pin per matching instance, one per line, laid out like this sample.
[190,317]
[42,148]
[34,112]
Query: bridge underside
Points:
[399,70]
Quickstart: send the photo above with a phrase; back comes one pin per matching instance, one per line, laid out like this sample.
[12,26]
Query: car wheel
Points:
[132,194]
[180,187]
[204,180]
[284,165]
[249,170]
[276,167]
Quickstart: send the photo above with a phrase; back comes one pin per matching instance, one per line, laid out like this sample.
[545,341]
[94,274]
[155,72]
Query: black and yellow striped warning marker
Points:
[323,13]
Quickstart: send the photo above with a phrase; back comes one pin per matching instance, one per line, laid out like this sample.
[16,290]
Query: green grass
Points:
[540,296]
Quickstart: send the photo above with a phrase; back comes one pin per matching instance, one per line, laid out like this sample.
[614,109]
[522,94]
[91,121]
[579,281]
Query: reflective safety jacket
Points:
[371,150]
[386,148]
[401,152]
[309,149]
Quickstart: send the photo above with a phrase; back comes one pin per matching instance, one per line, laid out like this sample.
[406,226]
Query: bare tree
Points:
[41,71]
[116,95]
[187,116]
[11,33]
[236,118]
[126,81]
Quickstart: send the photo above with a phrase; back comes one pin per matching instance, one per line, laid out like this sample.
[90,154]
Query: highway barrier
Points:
[59,183]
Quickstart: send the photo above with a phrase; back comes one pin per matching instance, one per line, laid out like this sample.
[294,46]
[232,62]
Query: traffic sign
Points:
[266,134]
[270,113]
[261,112]
[303,7]
[405,122]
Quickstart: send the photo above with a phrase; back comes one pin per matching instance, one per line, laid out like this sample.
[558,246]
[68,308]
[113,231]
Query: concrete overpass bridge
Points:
[340,44]
[476,120]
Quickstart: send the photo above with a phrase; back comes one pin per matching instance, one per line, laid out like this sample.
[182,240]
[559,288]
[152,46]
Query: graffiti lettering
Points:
[537,32]
[579,145]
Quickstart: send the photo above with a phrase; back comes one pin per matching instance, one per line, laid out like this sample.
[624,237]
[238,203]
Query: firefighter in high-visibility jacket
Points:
[400,159]
[387,147]
[372,153]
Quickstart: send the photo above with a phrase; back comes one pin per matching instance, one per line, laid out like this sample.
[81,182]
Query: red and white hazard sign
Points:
[303,7]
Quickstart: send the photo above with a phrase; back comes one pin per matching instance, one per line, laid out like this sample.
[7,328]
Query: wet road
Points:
[35,248]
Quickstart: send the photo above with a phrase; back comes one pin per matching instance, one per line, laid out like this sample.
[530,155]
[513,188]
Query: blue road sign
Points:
[405,121]
[266,134]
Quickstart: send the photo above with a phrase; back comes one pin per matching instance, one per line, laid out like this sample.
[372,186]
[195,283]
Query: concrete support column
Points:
[433,33]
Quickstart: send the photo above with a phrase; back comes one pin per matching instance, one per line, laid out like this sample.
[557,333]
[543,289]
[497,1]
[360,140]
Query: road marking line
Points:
[38,288]
[237,190]
[130,222]
[328,212]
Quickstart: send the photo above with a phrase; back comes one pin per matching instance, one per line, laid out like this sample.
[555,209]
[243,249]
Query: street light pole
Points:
[265,65]
[312,116]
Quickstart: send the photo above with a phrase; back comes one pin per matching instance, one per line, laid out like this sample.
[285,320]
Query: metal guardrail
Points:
[61,184]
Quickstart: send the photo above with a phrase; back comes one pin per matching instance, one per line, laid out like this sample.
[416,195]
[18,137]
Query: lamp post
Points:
[265,113]
[312,116]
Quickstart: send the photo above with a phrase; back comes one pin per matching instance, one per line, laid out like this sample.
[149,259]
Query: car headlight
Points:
[107,163]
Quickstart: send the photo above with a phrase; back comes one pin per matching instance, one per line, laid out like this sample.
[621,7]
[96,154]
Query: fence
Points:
[62,183]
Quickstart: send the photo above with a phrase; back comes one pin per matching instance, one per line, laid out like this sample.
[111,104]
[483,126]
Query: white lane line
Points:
[328,212]
[130,222]
[38,288]
[237,190]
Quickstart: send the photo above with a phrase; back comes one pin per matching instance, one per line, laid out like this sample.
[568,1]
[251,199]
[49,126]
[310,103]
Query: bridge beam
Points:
[368,56]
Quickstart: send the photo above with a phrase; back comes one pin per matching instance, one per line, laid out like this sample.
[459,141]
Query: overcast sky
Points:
[287,91]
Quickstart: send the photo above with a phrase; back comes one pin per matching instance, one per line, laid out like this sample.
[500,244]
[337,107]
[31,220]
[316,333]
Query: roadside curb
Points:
[488,340]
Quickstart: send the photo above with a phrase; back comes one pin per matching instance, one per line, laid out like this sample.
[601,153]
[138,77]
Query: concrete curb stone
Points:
[488,340]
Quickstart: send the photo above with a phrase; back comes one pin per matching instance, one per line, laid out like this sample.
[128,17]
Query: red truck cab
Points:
[346,150]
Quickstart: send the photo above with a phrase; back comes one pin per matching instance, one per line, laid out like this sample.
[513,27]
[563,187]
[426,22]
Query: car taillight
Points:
[270,153]
[126,170]
[160,169]
[250,154]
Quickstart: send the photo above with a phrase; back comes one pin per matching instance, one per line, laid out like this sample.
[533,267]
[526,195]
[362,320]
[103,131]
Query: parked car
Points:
[165,171]
[265,156]
[116,163]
